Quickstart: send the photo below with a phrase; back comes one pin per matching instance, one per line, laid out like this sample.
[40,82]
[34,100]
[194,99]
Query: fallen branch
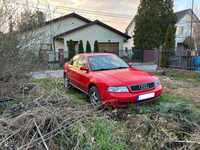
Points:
[188,142]
[38,130]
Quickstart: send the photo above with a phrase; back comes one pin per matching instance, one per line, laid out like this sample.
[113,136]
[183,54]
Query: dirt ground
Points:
[48,116]
[188,88]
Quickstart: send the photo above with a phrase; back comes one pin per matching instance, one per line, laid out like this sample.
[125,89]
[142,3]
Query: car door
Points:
[73,68]
[83,76]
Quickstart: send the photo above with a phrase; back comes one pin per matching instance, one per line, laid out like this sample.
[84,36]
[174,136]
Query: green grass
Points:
[104,133]
[108,134]
[172,105]
[182,75]
[4,106]
[99,133]
[166,101]
[50,85]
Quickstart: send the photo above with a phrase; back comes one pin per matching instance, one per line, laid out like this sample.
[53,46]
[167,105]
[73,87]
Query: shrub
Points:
[96,47]
[88,47]
[71,48]
[80,47]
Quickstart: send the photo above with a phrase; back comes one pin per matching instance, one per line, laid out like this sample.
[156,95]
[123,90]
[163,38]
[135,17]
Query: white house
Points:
[54,34]
[184,25]
[130,31]
[187,25]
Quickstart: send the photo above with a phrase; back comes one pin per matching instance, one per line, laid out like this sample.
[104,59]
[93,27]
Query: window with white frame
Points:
[180,30]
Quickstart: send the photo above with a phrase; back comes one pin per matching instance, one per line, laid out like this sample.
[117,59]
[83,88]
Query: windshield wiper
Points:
[103,69]
[110,68]
[120,68]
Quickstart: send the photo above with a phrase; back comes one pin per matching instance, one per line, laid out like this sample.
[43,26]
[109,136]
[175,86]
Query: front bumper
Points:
[124,99]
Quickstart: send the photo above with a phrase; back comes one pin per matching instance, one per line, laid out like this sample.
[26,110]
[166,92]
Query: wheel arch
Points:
[64,74]
[91,85]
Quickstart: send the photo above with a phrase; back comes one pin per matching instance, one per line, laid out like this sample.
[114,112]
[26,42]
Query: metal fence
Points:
[132,55]
[179,61]
[186,59]
[185,62]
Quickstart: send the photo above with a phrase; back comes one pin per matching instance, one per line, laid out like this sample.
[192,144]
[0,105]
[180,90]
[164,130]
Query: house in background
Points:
[187,24]
[54,35]
[130,31]
[184,24]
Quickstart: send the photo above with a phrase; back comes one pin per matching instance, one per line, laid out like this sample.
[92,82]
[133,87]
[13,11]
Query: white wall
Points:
[185,24]
[92,33]
[130,31]
[183,29]
[46,33]
[59,45]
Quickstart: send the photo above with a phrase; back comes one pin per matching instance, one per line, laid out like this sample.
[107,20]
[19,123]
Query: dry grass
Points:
[50,118]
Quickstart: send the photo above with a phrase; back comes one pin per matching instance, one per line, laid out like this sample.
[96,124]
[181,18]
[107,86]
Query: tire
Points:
[67,85]
[94,96]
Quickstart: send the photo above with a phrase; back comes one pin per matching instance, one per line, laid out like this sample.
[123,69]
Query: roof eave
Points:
[93,23]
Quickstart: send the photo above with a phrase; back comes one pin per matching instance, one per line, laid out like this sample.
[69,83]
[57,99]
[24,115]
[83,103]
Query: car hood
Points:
[125,77]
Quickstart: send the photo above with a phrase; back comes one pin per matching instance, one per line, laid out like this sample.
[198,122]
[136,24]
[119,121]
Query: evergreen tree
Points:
[169,46]
[71,48]
[151,23]
[80,47]
[170,39]
[88,47]
[96,47]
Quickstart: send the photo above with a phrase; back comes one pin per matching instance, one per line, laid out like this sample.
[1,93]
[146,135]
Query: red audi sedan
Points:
[108,80]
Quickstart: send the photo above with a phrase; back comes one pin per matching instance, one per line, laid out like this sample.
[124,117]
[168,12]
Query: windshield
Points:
[106,62]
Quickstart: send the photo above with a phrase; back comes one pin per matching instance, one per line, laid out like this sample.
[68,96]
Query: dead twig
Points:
[39,132]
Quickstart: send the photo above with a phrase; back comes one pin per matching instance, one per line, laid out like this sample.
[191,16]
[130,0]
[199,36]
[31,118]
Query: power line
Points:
[85,11]
[97,12]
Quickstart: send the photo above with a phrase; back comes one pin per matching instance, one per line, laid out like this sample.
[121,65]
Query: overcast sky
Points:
[117,13]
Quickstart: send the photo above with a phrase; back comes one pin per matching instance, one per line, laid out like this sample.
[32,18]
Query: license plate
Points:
[146,96]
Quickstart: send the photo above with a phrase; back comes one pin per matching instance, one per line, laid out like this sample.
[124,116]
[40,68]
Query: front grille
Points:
[142,87]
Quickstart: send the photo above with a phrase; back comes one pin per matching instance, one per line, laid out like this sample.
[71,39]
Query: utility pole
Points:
[191,34]
[189,60]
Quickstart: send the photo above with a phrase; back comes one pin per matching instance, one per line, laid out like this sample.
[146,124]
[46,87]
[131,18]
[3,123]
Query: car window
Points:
[74,61]
[82,62]
[106,62]
[79,61]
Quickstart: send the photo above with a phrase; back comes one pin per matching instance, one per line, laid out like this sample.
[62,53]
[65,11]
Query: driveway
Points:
[59,73]
[47,74]
[145,67]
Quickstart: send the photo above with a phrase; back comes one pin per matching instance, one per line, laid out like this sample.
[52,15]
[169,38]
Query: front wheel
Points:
[94,96]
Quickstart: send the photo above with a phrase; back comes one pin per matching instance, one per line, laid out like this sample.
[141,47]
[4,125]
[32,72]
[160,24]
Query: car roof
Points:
[95,54]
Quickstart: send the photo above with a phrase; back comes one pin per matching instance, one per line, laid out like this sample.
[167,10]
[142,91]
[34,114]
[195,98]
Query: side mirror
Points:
[84,69]
[130,64]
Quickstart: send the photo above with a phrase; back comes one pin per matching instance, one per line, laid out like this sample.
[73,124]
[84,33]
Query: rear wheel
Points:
[66,82]
[94,96]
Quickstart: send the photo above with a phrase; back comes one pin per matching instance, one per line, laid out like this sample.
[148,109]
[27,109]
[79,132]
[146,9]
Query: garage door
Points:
[109,47]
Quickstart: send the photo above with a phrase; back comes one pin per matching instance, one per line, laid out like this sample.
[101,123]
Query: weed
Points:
[57,84]
[99,133]
[182,75]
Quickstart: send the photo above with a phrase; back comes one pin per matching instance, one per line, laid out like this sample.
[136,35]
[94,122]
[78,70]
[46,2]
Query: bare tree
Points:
[15,59]
[30,20]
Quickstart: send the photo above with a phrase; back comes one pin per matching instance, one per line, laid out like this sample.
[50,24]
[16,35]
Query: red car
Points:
[108,80]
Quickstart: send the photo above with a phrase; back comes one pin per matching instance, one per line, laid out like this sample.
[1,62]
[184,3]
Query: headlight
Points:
[118,89]
[157,83]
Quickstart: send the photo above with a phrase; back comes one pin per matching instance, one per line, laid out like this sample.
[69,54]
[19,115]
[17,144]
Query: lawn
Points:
[178,118]
[170,123]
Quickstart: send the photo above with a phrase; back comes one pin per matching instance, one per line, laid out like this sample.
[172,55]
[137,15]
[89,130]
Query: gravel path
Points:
[146,67]
[47,74]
